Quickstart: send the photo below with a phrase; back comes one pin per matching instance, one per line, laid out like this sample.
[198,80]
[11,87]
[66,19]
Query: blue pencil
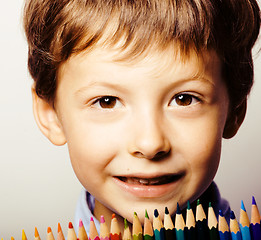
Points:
[234,228]
[223,228]
[255,228]
[179,224]
[158,226]
[244,223]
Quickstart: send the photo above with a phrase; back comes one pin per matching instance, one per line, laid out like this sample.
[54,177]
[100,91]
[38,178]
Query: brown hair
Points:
[56,29]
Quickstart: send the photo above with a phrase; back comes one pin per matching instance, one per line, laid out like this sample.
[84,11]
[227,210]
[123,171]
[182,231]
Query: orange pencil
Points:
[36,234]
[93,234]
[23,235]
[60,235]
[71,235]
[115,233]
[82,235]
[49,234]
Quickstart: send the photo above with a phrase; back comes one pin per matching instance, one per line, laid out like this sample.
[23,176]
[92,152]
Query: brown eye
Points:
[184,100]
[107,102]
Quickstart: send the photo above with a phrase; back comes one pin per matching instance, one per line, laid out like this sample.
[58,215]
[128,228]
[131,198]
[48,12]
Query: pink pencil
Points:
[93,235]
[104,230]
[82,235]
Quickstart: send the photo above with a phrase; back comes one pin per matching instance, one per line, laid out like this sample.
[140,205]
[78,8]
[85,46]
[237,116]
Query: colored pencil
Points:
[126,231]
[93,233]
[190,231]
[23,235]
[170,233]
[244,223]
[115,233]
[60,235]
[179,224]
[158,226]
[148,233]
[255,228]
[49,234]
[136,228]
[104,230]
[82,235]
[234,228]
[36,234]
[201,222]
[212,224]
[223,228]
[71,235]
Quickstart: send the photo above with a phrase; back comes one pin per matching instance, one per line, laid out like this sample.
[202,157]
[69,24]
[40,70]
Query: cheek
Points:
[91,150]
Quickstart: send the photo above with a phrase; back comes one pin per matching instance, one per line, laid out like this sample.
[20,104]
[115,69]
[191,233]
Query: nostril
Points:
[161,154]
[158,156]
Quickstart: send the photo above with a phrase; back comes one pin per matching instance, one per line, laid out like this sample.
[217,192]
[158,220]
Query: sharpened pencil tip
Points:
[70,225]
[209,204]
[59,228]
[232,215]
[156,213]
[146,214]
[243,206]
[198,202]
[188,205]
[253,200]
[166,210]
[221,213]
[49,230]
[178,209]
[125,223]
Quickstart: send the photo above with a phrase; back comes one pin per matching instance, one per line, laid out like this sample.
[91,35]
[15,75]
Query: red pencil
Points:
[115,233]
[71,235]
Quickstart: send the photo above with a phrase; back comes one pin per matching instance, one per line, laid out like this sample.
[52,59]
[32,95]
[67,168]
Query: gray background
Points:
[37,184]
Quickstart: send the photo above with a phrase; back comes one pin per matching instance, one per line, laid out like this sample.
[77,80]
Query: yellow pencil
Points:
[24,235]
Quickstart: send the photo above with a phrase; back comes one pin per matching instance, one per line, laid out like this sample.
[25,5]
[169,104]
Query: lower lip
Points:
[147,191]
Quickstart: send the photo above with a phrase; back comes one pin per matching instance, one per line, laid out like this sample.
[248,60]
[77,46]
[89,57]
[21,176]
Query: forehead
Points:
[153,54]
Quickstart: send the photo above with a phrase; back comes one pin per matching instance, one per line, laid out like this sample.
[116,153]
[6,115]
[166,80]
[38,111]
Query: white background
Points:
[37,184]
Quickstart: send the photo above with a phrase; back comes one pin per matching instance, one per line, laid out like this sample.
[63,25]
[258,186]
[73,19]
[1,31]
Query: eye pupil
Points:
[108,102]
[184,100]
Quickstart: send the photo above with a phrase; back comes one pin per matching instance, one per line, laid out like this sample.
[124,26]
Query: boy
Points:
[142,92]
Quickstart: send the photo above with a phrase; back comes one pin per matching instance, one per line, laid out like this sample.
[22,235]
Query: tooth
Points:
[144,181]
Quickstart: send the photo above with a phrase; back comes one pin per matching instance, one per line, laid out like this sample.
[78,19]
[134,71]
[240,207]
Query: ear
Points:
[47,120]
[234,120]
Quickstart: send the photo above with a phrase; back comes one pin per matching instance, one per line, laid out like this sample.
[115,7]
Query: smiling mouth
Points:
[150,181]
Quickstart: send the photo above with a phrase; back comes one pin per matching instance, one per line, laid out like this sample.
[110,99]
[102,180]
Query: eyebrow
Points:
[100,84]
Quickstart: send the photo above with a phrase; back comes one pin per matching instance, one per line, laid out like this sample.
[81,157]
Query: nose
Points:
[149,138]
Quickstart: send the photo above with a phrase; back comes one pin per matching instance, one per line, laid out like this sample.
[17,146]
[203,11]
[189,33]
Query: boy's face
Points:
[145,134]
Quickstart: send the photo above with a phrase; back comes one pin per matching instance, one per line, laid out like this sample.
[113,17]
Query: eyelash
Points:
[187,98]
[110,102]
[107,100]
